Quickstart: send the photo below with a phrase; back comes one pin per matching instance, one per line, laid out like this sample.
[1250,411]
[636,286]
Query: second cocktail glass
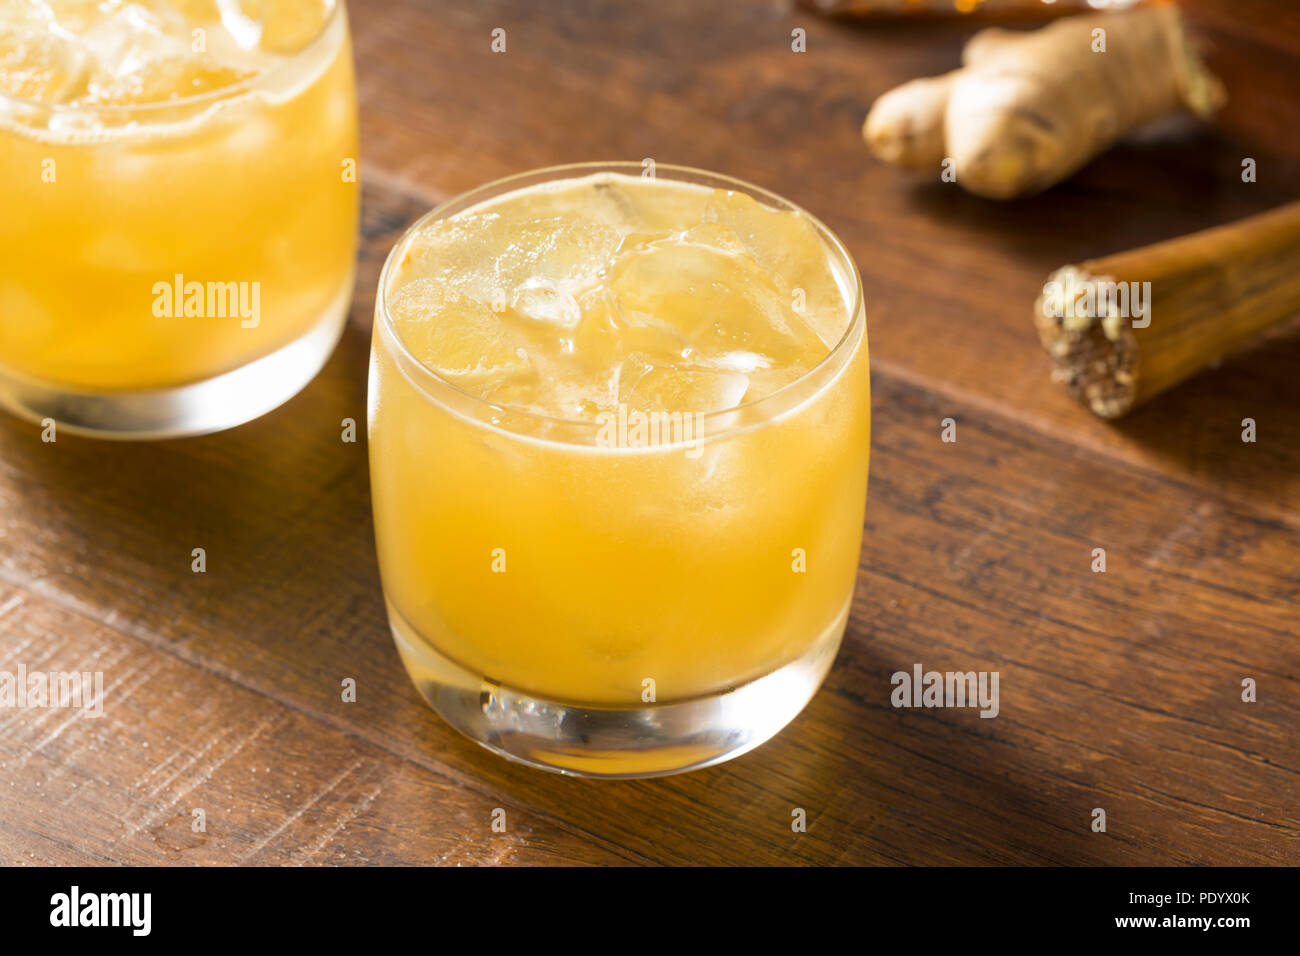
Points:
[180,200]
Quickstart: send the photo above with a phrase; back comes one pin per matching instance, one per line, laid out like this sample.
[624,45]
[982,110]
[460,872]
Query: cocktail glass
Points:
[572,592]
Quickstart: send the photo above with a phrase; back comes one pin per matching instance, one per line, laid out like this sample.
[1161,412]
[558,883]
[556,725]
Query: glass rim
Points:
[233,92]
[502,185]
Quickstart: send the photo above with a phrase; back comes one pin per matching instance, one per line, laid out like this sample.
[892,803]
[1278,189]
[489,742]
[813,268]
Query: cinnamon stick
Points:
[1126,327]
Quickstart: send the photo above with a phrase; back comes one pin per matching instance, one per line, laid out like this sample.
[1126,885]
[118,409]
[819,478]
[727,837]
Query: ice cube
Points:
[598,334]
[623,203]
[569,252]
[789,250]
[717,299]
[457,336]
[40,66]
[609,203]
[716,236]
[490,258]
[538,300]
[634,204]
[458,249]
[648,386]
[607,333]
[162,79]
[246,31]
[566,392]
[121,38]
[741,361]
[282,26]
[191,11]
[65,16]
[149,51]
[765,381]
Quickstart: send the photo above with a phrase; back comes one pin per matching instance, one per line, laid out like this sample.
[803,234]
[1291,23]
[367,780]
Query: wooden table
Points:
[1120,690]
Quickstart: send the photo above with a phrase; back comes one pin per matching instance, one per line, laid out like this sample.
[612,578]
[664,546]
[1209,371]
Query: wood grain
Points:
[1119,690]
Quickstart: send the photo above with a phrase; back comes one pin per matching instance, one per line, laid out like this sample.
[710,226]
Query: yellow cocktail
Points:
[619,432]
[179,194]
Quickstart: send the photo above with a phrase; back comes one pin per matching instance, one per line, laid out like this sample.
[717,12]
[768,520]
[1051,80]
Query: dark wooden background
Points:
[1119,690]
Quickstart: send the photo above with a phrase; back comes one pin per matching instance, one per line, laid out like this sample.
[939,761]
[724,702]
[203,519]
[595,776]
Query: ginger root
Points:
[905,126]
[1027,109]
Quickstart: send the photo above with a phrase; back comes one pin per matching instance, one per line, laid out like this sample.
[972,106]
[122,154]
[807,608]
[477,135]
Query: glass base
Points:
[196,409]
[615,742]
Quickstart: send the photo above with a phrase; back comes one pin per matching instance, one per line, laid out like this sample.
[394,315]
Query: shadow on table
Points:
[1198,426]
[1176,180]
[279,506]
